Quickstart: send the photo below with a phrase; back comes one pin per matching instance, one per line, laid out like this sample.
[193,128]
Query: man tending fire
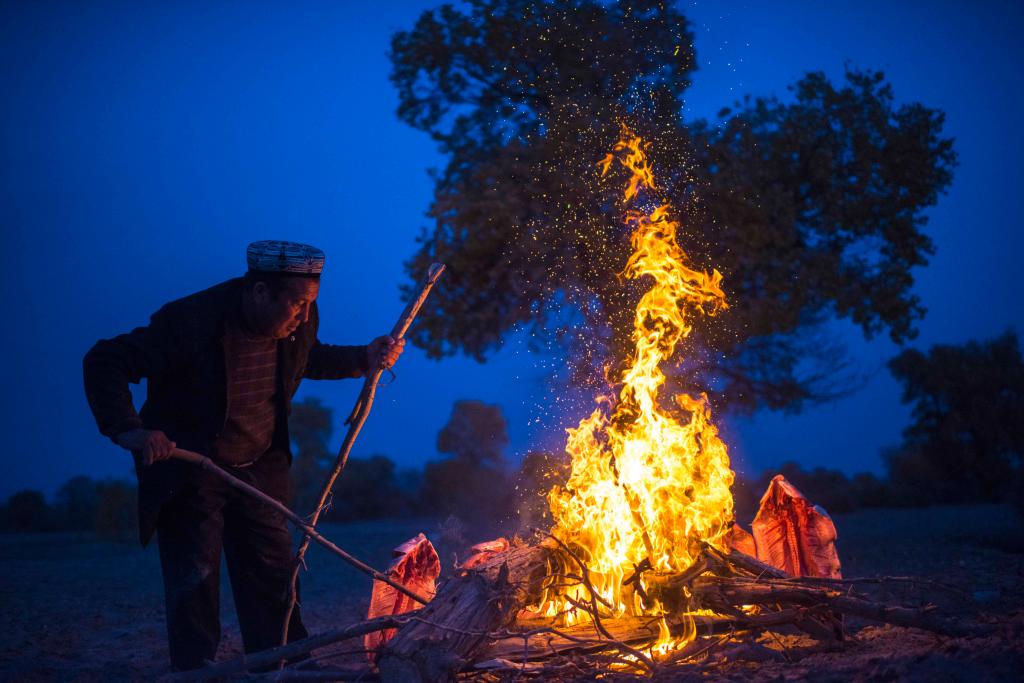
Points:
[222,367]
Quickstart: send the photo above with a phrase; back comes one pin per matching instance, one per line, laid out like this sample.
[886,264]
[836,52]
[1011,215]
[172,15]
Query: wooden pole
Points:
[355,422]
[745,591]
[308,529]
[294,649]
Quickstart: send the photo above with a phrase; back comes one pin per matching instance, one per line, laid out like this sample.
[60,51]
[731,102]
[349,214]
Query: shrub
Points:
[27,511]
[116,517]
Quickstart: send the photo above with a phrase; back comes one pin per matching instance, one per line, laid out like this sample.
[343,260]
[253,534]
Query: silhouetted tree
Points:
[116,504]
[967,436]
[810,208]
[28,511]
[75,504]
[476,432]
[472,482]
[409,482]
[870,491]
[367,489]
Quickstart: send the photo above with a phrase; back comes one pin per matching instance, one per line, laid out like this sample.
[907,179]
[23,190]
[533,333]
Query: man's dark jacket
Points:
[181,353]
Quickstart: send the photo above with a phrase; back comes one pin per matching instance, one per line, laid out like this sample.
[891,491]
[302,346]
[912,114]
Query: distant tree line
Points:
[106,507]
[963,445]
[472,481]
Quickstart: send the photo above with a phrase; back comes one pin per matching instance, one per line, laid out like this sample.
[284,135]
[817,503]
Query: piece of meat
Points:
[792,534]
[740,539]
[416,566]
[481,552]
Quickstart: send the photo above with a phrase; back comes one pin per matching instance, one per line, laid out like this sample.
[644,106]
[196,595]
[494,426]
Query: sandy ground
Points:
[76,608]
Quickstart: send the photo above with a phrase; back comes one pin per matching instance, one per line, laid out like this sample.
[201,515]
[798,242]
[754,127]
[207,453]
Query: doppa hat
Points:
[290,258]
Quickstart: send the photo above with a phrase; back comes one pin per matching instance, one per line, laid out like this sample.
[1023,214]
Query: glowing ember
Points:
[648,481]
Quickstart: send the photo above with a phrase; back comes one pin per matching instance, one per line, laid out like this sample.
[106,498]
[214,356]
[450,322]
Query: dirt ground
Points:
[79,609]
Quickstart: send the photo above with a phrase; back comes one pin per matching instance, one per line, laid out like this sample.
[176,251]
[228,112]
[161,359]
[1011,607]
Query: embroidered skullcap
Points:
[292,258]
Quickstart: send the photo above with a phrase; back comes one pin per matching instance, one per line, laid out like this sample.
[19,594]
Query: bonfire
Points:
[644,567]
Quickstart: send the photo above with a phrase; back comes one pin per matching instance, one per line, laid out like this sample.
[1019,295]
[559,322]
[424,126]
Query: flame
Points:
[648,481]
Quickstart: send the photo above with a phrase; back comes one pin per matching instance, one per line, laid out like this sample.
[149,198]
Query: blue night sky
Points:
[144,144]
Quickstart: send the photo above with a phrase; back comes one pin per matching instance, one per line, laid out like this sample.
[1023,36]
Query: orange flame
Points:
[648,482]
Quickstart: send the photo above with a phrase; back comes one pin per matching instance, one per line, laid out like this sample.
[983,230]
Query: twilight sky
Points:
[144,144]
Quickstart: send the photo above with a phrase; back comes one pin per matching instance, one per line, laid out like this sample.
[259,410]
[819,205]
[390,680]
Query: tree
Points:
[966,439]
[27,510]
[116,516]
[471,483]
[476,432]
[368,489]
[811,208]
[75,503]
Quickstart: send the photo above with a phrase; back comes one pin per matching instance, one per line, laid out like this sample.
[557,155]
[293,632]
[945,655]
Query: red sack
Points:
[416,566]
[793,535]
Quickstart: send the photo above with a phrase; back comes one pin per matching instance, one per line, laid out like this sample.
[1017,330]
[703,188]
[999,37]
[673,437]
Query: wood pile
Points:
[478,624]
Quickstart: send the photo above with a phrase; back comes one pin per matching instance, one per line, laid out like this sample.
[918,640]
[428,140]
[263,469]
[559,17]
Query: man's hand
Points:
[384,351]
[154,444]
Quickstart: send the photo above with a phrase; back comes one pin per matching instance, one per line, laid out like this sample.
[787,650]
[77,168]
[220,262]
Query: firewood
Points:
[537,640]
[326,676]
[472,618]
[471,623]
[743,591]
[292,650]
[459,622]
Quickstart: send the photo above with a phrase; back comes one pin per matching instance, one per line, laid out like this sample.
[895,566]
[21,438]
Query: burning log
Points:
[462,618]
[540,641]
[736,591]
[729,585]
[472,622]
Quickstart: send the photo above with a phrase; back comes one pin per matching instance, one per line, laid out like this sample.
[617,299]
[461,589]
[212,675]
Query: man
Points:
[222,366]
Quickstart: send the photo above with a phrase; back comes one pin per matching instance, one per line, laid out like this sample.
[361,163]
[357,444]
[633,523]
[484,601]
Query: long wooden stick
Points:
[744,591]
[308,529]
[355,422]
[294,649]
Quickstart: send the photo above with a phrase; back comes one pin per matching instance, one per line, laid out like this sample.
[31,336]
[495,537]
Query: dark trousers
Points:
[200,520]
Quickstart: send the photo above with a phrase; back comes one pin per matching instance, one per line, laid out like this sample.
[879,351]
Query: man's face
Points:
[280,315]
